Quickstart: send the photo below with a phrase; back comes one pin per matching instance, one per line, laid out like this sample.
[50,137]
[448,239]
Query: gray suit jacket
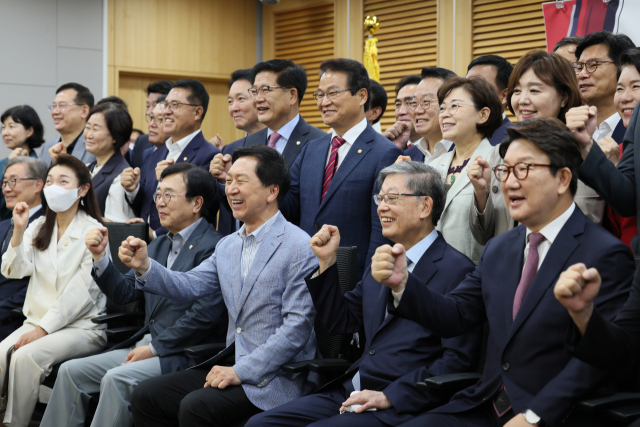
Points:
[271,314]
[79,151]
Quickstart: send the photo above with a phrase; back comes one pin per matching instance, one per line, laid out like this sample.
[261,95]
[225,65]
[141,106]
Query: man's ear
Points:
[564,180]
[274,190]
[426,207]
[198,201]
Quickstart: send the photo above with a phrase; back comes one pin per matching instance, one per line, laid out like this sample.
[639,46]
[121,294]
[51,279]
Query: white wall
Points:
[47,43]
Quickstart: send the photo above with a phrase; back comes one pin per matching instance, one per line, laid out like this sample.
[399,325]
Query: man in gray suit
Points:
[69,111]
[260,272]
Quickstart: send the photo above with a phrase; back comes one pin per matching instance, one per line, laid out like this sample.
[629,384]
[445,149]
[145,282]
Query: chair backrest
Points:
[330,345]
[484,345]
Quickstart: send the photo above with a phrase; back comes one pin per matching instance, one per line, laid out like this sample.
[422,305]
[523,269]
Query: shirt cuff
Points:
[132,194]
[144,277]
[475,206]
[153,350]
[100,266]
[396,297]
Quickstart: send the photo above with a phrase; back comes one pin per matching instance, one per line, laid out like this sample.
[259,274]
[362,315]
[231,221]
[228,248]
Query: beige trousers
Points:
[33,362]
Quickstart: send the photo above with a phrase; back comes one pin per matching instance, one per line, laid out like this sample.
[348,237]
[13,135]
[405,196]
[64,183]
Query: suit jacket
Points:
[302,133]
[270,312]
[173,325]
[79,151]
[137,154]
[527,354]
[501,132]
[415,154]
[4,212]
[103,179]
[348,203]
[398,352]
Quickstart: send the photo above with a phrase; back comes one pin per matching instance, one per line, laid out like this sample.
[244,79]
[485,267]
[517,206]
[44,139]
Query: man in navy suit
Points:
[529,378]
[183,112]
[170,326]
[23,180]
[398,352]
[496,70]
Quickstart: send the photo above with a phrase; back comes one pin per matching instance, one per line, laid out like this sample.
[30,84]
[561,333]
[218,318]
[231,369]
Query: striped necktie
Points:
[332,166]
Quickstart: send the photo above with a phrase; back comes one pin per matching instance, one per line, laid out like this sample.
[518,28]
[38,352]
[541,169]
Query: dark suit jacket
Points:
[527,354]
[198,152]
[398,352]
[349,202]
[501,132]
[137,154]
[104,178]
[173,325]
[302,133]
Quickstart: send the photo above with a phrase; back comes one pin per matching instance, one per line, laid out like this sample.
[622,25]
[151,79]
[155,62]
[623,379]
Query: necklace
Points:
[457,169]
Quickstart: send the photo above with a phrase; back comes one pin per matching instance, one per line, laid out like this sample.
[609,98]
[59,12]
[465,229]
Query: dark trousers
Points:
[317,410]
[180,399]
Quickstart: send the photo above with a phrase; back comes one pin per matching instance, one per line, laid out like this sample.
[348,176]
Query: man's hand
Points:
[611,149]
[576,289]
[582,122]
[479,173]
[221,377]
[402,158]
[20,222]
[162,166]
[389,267]
[518,421]
[130,178]
[32,336]
[96,241]
[325,244]
[368,399]
[399,134]
[19,152]
[139,353]
[133,253]
[217,141]
[55,150]
[219,166]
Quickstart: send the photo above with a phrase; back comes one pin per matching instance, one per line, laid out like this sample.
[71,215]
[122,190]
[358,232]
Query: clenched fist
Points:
[479,173]
[325,244]
[18,152]
[133,253]
[389,266]
[219,166]
[399,134]
[55,150]
[217,142]
[130,178]
[576,289]
[582,122]
[611,149]
[162,166]
[97,240]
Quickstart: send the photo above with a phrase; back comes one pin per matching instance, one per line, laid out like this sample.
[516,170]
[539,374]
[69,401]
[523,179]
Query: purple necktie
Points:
[529,272]
[272,139]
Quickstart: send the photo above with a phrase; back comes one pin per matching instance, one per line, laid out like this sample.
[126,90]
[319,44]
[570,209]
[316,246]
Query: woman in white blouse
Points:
[62,298]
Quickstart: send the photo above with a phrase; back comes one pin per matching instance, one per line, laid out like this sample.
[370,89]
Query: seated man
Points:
[398,352]
[24,178]
[528,378]
[260,271]
[170,326]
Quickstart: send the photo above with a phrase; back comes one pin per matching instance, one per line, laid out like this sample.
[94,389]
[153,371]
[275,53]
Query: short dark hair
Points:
[565,41]
[617,44]
[555,139]
[198,93]
[118,120]
[199,184]
[272,168]
[27,117]
[83,94]
[436,73]
[630,57]
[289,74]
[377,98]
[137,130]
[357,76]
[246,74]
[161,86]
[412,79]
[483,95]
[503,68]
[114,100]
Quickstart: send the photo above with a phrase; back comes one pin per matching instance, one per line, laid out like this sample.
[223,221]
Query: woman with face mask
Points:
[62,298]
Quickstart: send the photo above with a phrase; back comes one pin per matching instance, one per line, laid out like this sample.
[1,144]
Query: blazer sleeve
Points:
[16,300]
[119,288]
[17,262]
[290,206]
[116,207]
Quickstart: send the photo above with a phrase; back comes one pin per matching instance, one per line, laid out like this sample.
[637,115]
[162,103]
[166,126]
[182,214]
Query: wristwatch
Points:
[532,418]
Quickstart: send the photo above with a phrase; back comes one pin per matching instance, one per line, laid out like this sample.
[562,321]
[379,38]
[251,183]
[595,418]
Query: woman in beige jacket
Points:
[62,297]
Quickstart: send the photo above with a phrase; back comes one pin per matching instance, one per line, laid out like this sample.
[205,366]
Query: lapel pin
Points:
[359,151]
[185,159]
[298,143]
[191,247]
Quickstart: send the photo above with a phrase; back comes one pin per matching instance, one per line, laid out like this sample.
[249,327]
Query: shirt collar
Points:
[34,209]
[261,231]
[185,233]
[611,122]
[551,230]
[182,143]
[286,130]
[352,134]
[417,251]
[443,143]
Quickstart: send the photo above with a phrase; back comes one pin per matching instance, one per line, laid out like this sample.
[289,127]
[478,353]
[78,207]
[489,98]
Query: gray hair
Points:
[35,168]
[420,179]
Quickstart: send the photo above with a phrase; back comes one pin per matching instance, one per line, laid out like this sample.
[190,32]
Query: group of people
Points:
[463,221]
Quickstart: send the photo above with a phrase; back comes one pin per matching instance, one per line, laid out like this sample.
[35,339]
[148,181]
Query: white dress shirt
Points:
[607,127]
[413,256]
[285,133]
[443,146]
[550,232]
[350,137]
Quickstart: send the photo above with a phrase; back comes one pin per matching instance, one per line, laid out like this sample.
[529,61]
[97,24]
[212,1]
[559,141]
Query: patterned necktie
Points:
[529,272]
[272,139]
[330,170]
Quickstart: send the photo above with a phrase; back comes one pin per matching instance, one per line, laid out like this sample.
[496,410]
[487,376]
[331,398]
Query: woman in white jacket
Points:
[62,298]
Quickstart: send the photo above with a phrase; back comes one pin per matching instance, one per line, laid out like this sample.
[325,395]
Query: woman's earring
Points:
[82,201]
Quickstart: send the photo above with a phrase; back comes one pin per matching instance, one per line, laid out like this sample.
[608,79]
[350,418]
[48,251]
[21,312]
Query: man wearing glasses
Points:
[403,133]
[69,111]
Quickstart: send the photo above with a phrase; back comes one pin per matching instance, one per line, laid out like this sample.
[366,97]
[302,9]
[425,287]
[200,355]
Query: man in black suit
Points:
[496,70]
[24,178]
[170,326]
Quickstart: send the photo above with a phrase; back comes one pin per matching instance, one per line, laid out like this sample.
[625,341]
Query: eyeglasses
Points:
[166,197]
[150,119]
[62,106]
[13,181]
[520,171]
[391,198]
[264,90]
[425,103]
[452,109]
[591,65]
[332,94]
[174,105]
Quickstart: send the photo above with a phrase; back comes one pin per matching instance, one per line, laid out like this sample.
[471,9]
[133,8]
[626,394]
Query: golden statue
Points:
[370,60]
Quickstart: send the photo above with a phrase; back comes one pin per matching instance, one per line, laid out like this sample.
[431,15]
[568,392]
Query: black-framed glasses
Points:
[332,94]
[520,170]
[62,106]
[13,181]
[392,198]
[591,65]
[264,90]
[174,105]
[151,118]
[425,103]
[165,197]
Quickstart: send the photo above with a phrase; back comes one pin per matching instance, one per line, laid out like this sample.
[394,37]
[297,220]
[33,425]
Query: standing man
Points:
[69,111]
[377,105]
[403,133]
[566,48]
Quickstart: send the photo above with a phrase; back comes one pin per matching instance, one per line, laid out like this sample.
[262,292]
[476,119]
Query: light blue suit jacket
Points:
[79,151]
[270,316]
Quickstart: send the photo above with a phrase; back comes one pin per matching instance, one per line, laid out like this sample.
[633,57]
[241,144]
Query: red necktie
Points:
[272,139]
[529,272]
[330,170]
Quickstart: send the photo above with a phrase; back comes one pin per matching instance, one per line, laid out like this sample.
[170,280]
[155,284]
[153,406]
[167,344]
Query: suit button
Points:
[239,330]
[316,226]
[372,351]
[505,366]
[494,189]
[151,322]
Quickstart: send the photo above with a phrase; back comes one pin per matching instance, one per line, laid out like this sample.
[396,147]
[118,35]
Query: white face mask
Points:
[60,199]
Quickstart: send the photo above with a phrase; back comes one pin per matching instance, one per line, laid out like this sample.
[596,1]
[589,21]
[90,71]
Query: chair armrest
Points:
[626,414]
[205,350]
[450,382]
[101,320]
[328,365]
[15,314]
[295,367]
[121,334]
[608,402]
